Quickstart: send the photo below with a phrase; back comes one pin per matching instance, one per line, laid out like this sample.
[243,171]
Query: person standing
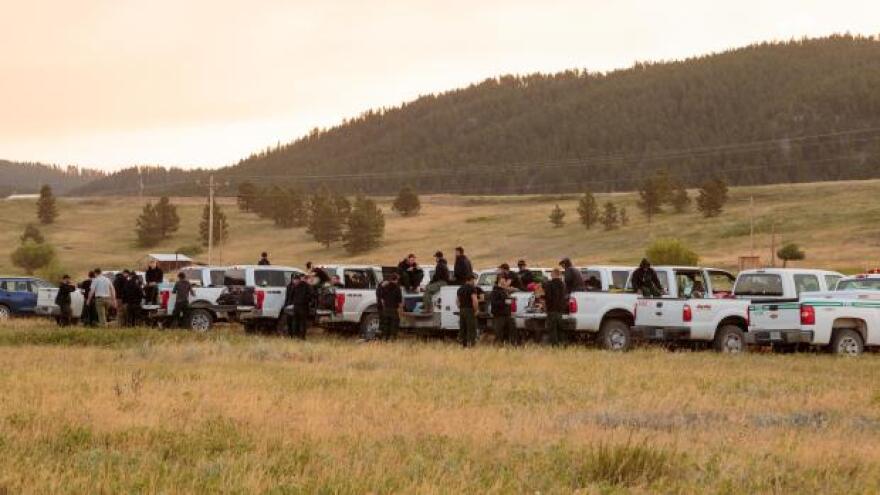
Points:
[439,279]
[502,318]
[62,299]
[153,277]
[468,304]
[119,282]
[132,297]
[645,280]
[573,278]
[410,273]
[264,259]
[505,271]
[182,289]
[390,301]
[103,295]
[462,268]
[299,296]
[89,314]
[556,301]
[526,276]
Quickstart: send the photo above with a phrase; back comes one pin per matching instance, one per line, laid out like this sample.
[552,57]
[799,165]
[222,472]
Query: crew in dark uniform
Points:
[264,259]
[468,303]
[573,278]
[153,278]
[525,275]
[89,316]
[389,298]
[462,268]
[182,289]
[556,301]
[132,295]
[645,281]
[410,273]
[62,299]
[502,319]
[299,295]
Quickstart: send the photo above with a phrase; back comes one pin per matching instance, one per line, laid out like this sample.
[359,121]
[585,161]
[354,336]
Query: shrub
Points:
[31,256]
[671,252]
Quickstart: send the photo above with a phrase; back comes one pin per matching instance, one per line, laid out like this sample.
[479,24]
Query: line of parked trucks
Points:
[785,308]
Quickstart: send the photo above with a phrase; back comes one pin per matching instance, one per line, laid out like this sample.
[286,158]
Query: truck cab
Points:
[865,281]
[264,287]
[18,295]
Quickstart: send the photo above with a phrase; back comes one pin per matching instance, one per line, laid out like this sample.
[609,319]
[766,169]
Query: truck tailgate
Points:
[775,315]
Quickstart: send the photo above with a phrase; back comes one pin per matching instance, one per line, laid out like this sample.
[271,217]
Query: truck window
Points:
[269,278]
[194,276]
[234,278]
[4,285]
[852,284]
[690,284]
[722,283]
[831,281]
[358,279]
[618,279]
[806,283]
[758,284]
[662,276]
[21,286]
[593,280]
[488,278]
[217,278]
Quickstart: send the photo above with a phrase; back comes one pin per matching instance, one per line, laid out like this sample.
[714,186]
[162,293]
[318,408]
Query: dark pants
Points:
[132,314]
[505,330]
[298,324]
[389,324]
[65,316]
[89,314]
[467,327]
[151,294]
[180,310]
[554,327]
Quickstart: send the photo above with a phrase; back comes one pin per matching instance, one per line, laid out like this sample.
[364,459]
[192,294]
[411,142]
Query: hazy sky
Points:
[189,82]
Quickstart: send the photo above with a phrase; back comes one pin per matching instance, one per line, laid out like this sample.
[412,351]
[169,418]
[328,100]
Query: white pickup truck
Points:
[354,304]
[843,322]
[604,310]
[709,306]
[46,306]
[865,281]
[262,287]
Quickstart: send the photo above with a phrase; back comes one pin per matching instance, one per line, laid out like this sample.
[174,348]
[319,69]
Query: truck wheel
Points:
[847,342]
[199,320]
[730,339]
[615,335]
[4,313]
[370,325]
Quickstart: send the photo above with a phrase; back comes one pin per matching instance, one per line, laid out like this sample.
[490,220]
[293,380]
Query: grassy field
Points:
[108,411]
[836,223]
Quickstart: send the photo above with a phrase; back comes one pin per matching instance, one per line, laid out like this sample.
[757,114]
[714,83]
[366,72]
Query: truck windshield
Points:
[758,284]
[859,284]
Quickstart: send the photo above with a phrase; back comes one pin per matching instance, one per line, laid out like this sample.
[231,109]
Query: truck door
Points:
[273,284]
[768,311]
[23,295]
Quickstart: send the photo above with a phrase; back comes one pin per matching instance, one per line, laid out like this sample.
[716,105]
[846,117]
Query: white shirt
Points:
[101,286]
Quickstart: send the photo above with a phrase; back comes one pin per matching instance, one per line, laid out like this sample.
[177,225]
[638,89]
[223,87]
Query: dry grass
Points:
[835,222]
[174,412]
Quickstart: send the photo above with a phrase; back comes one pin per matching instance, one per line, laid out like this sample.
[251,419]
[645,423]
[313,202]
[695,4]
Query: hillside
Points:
[16,177]
[835,222]
[767,113]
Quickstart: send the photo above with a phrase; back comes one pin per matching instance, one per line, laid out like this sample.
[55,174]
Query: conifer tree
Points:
[343,207]
[610,216]
[557,217]
[650,200]
[588,210]
[221,227]
[32,256]
[166,214]
[147,228]
[366,226]
[624,218]
[324,225]
[680,200]
[712,197]
[247,196]
[31,232]
[47,210]
[407,202]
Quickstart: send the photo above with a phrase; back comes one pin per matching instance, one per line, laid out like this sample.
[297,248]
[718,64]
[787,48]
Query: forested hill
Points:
[26,178]
[773,112]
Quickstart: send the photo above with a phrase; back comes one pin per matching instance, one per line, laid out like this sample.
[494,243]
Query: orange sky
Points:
[192,82]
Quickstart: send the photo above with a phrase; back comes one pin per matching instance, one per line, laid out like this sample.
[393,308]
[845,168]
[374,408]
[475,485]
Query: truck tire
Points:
[5,313]
[615,335]
[369,326]
[847,342]
[199,320]
[730,339]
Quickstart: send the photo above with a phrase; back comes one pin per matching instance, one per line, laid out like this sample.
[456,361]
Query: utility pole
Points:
[752,224]
[773,245]
[210,220]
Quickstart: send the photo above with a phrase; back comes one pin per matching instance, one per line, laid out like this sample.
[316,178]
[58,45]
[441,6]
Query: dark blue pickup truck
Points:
[18,295]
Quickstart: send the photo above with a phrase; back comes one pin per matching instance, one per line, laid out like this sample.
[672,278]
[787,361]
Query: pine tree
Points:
[366,226]
[680,200]
[324,225]
[31,232]
[47,211]
[609,216]
[221,227]
[712,197]
[247,196]
[288,208]
[166,214]
[407,202]
[663,185]
[32,256]
[148,230]
[624,218]
[343,207]
[650,201]
[557,217]
[588,210]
